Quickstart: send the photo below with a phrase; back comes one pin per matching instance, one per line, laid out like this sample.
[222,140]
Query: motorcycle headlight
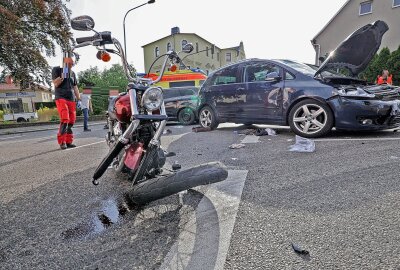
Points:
[355,92]
[152,98]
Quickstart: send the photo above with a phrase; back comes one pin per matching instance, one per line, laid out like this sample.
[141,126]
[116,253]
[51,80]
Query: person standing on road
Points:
[66,91]
[86,104]
[385,78]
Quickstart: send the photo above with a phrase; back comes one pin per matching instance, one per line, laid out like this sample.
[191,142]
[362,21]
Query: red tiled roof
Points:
[7,87]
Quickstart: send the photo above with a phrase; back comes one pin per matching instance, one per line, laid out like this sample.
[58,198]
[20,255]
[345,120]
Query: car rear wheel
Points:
[310,118]
[208,118]
[186,116]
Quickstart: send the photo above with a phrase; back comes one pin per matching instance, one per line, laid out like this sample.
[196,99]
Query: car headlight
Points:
[152,98]
[354,92]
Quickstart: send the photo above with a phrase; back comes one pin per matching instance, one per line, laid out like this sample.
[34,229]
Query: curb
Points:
[43,129]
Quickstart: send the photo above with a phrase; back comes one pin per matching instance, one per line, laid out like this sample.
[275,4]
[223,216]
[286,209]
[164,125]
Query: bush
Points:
[1,114]
[46,114]
[100,104]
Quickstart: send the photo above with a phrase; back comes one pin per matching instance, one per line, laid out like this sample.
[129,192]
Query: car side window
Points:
[226,76]
[261,71]
[289,76]
[188,92]
[170,93]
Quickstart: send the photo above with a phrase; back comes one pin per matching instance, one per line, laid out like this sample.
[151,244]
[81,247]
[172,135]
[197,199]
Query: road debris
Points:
[249,131]
[201,129]
[303,145]
[394,157]
[234,158]
[167,131]
[265,131]
[237,146]
[300,250]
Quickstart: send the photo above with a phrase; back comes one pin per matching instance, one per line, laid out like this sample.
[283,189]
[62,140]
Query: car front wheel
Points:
[310,118]
[186,116]
[208,118]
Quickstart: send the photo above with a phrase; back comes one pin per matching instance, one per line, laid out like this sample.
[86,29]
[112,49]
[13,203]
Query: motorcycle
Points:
[136,121]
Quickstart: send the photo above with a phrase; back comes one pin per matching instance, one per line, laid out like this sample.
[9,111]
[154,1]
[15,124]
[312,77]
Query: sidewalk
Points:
[55,126]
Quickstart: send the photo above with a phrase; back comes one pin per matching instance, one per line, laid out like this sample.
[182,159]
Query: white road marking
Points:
[250,139]
[84,145]
[205,239]
[11,137]
[359,139]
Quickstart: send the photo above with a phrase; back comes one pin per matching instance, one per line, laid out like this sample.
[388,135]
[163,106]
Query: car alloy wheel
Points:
[311,118]
[207,118]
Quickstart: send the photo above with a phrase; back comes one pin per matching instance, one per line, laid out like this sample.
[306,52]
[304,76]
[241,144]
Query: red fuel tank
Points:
[123,109]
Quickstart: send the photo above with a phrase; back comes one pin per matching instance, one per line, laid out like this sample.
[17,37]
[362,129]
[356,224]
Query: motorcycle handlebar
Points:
[85,39]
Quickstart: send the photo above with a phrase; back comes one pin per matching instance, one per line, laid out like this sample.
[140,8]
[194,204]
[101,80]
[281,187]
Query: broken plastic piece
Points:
[167,131]
[300,250]
[303,145]
[237,146]
[265,131]
[176,166]
[201,129]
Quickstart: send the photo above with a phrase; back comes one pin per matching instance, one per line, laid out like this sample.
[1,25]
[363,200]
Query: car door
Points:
[261,98]
[223,87]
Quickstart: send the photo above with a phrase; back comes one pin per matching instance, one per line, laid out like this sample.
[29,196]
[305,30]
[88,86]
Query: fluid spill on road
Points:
[110,212]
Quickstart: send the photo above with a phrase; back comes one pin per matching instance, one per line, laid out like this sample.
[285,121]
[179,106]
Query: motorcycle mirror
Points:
[188,48]
[82,23]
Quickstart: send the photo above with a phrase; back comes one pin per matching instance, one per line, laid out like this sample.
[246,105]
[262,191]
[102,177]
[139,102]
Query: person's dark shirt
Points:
[66,89]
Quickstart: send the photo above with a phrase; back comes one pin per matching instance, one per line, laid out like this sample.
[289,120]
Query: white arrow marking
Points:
[205,239]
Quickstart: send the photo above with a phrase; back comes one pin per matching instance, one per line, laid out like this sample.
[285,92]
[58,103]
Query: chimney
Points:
[175,30]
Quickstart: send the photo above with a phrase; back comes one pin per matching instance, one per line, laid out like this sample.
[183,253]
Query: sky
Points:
[269,29]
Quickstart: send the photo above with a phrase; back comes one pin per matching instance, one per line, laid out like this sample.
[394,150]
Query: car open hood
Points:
[356,51]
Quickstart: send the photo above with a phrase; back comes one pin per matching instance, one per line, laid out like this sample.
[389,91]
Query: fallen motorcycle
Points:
[136,121]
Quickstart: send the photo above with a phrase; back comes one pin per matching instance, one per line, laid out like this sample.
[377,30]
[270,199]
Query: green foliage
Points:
[112,78]
[394,66]
[100,104]
[102,81]
[379,62]
[29,31]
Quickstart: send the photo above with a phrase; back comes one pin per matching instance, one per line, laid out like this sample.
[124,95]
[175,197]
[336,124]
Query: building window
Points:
[396,3]
[197,47]
[228,57]
[217,56]
[156,51]
[169,47]
[207,51]
[184,42]
[365,8]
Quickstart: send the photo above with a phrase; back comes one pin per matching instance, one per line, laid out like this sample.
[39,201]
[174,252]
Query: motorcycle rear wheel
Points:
[160,187]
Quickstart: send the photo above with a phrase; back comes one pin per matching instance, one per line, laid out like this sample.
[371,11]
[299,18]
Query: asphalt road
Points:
[340,203]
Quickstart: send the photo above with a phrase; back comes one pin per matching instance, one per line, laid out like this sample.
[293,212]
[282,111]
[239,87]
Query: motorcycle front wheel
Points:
[160,187]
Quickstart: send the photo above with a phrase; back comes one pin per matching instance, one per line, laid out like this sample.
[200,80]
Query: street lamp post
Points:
[148,2]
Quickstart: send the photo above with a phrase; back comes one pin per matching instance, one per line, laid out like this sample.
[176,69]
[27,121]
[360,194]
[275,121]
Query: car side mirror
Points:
[82,23]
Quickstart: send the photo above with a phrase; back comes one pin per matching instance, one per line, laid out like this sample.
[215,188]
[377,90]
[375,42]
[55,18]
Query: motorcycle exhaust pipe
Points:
[105,163]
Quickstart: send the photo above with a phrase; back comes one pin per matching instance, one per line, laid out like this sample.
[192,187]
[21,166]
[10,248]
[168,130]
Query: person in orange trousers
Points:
[66,91]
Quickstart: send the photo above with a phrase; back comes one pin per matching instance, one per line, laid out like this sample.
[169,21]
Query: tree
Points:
[393,65]
[29,31]
[378,63]
[112,78]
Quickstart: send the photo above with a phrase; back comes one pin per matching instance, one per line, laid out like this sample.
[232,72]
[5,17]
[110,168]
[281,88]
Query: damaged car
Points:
[311,100]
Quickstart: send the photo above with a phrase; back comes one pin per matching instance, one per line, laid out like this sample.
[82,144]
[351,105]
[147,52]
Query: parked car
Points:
[20,117]
[181,104]
[311,101]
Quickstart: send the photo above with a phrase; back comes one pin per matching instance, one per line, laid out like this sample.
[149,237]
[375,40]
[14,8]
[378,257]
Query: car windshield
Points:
[310,70]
